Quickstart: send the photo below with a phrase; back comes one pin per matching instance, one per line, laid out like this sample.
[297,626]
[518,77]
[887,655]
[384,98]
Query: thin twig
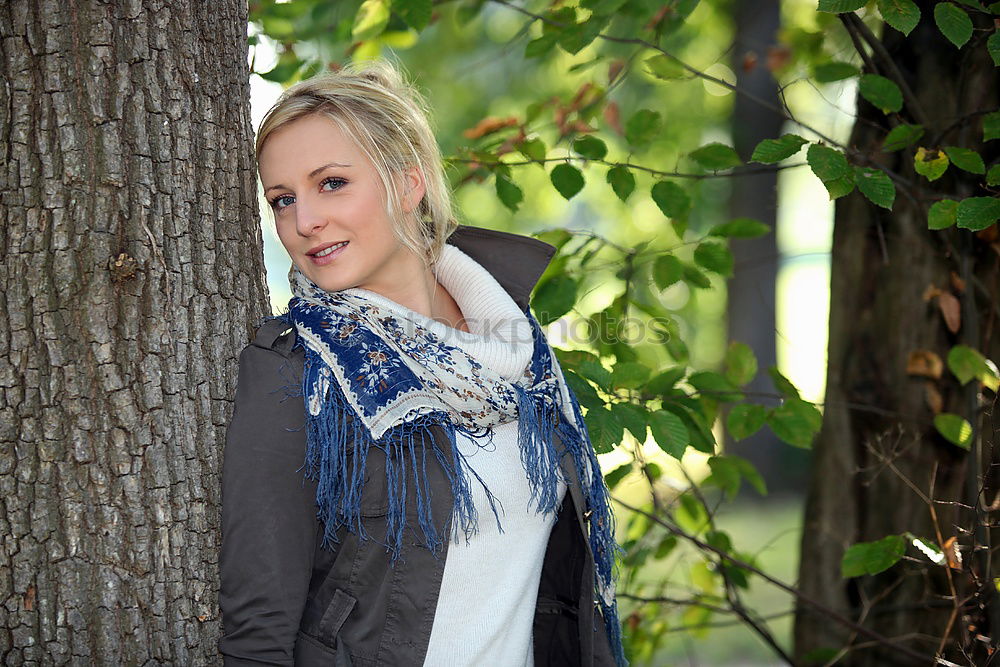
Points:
[815,604]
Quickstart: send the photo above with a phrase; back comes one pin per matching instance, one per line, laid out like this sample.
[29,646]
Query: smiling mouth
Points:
[327,250]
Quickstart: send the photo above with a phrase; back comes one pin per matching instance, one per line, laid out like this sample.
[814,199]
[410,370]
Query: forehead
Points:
[305,143]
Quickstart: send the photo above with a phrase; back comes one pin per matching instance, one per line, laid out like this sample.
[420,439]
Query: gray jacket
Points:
[287,601]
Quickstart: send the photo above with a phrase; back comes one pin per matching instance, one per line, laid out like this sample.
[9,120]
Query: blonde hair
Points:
[387,118]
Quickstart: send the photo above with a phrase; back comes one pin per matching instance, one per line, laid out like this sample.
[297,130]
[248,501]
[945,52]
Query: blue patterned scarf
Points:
[373,377]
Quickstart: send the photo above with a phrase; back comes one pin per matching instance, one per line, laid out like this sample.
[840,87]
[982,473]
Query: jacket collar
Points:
[516,261]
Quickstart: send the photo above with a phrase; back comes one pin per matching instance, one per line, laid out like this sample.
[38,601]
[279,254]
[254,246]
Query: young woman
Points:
[407,478]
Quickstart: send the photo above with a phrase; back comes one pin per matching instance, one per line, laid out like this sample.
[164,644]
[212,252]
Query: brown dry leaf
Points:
[488,125]
[658,16]
[989,235]
[613,118]
[934,399]
[749,61]
[778,57]
[952,311]
[931,292]
[614,69]
[925,363]
[951,552]
[29,598]
[957,283]
[577,101]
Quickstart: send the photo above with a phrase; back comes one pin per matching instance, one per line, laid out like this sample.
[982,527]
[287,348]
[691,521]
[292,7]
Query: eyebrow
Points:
[311,174]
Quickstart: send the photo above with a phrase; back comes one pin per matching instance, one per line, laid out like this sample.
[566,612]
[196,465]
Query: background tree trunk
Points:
[132,275]
[877,428]
[751,294]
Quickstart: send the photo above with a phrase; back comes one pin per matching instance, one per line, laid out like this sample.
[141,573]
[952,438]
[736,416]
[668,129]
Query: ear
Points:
[413,188]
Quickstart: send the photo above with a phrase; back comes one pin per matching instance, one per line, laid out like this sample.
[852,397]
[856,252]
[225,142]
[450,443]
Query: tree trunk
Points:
[751,295]
[877,437]
[132,275]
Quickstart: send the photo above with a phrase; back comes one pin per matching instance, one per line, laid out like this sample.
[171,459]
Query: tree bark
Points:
[877,437]
[132,275]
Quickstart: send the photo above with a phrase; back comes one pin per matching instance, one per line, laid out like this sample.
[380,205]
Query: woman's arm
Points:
[269,525]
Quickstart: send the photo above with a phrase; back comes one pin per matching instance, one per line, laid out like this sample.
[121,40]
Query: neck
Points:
[422,293]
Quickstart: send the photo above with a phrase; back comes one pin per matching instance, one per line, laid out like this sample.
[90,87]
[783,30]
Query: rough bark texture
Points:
[877,428]
[132,274]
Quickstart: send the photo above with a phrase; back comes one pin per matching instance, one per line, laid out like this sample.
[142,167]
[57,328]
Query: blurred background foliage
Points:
[619,152]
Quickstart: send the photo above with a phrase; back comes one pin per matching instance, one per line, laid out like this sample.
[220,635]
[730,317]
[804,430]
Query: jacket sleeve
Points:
[269,524]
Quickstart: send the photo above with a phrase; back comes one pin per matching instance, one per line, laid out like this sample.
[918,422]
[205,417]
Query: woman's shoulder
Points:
[276,334]
[273,358]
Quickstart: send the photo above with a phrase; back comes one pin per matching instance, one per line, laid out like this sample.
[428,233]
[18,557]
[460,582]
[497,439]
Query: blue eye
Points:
[274,202]
[339,182]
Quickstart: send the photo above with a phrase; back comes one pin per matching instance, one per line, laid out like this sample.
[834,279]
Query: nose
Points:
[309,217]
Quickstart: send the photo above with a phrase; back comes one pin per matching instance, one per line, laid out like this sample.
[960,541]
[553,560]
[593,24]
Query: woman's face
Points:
[328,203]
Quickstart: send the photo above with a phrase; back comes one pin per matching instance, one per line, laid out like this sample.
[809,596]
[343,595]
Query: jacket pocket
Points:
[319,650]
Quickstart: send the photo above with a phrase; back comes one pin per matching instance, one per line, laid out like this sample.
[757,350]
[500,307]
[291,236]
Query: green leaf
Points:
[840,6]
[969,364]
[872,557]
[993,46]
[594,371]
[954,428]
[642,127]
[831,167]
[629,375]
[590,147]
[509,193]
[541,46]
[671,198]
[533,149]
[796,422]
[993,175]
[741,363]
[665,381]
[977,213]
[749,473]
[633,417]
[902,15]
[745,419]
[881,92]
[714,386]
[931,164]
[604,429]
[696,278]
[662,67]
[714,257]
[669,432]
[725,475]
[966,159]
[415,13]
[667,270]
[902,136]
[577,36]
[781,383]
[699,431]
[991,126]
[743,228]
[585,393]
[622,181]
[371,20]
[617,475]
[953,22]
[834,71]
[567,179]
[942,214]
[716,156]
[771,151]
[876,185]
[554,298]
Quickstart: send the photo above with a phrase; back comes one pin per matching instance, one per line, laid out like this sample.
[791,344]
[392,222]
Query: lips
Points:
[330,252]
[324,246]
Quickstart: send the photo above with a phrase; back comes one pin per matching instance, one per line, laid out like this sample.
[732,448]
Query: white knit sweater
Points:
[486,606]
